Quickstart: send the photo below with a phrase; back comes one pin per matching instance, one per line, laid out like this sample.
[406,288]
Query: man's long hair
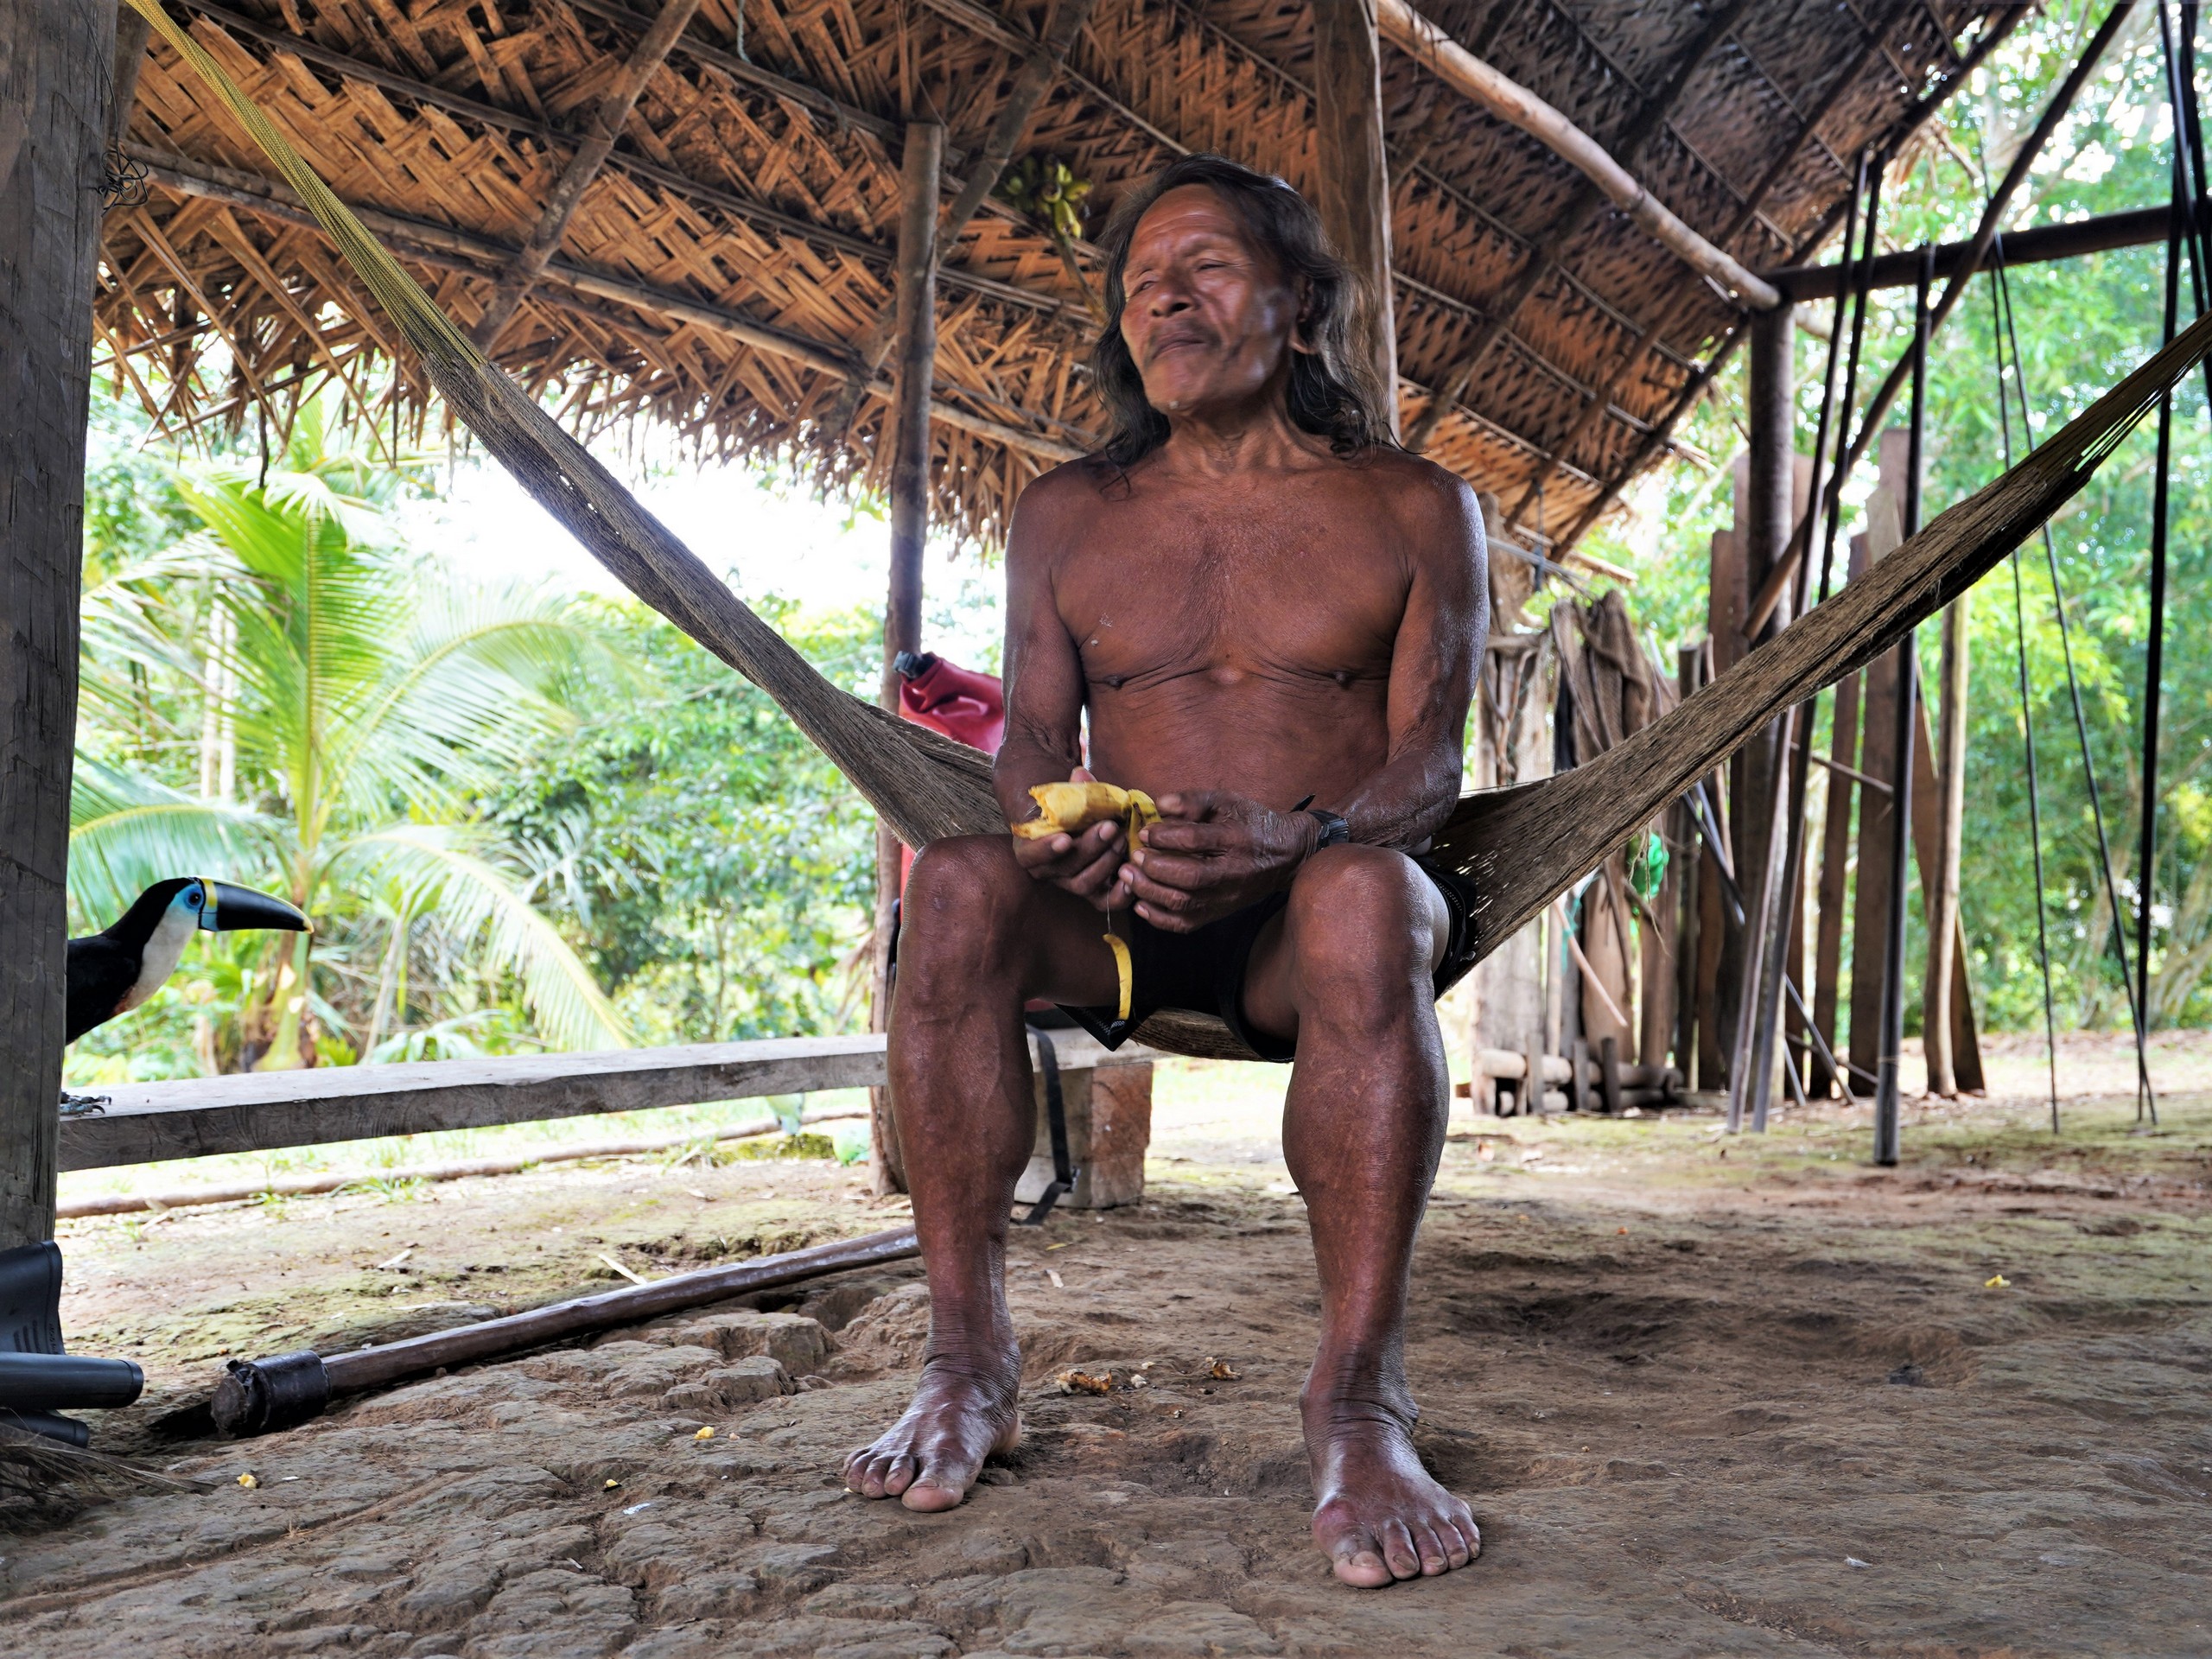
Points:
[1334,391]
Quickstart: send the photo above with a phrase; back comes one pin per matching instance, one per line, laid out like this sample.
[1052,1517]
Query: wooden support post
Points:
[1943,871]
[1609,1075]
[562,200]
[1888,1085]
[910,522]
[55,81]
[1689,857]
[1835,860]
[1763,766]
[1354,197]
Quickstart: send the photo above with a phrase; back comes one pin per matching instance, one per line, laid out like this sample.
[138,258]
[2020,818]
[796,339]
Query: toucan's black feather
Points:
[102,970]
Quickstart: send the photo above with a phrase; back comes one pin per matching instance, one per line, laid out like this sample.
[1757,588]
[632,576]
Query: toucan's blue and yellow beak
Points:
[228,909]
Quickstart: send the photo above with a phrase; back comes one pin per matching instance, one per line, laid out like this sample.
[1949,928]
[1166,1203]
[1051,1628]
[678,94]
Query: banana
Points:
[1071,809]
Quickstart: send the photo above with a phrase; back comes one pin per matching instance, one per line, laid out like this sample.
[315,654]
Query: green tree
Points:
[358,702]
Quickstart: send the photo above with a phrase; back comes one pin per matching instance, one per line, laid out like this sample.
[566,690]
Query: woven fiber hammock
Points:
[1523,846]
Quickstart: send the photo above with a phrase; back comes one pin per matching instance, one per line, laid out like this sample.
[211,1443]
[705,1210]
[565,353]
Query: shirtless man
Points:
[1261,603]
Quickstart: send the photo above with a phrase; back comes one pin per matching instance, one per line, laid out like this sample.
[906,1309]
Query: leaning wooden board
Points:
[148,1122]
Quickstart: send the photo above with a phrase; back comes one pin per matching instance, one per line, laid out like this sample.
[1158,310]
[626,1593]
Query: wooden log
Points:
[1966,1044]
[561,203]
[1835,857]
[1877,759]
[1353,173]
[1947,808]
[1436,51]
[916,358]
[1609,1075]
[55,65]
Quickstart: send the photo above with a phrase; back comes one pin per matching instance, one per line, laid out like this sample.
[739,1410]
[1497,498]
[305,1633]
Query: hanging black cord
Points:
[2027,715]
[1832,511]
[2081,735]
[2146,863]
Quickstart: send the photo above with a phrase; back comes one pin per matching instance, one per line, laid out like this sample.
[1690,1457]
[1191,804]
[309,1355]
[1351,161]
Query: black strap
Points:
[1056,1125]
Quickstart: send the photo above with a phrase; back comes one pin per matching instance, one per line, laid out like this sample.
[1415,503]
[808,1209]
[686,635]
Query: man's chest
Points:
[1179,588]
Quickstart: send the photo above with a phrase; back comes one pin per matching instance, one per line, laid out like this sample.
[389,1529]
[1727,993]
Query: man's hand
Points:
[1212,853]
[1086,865]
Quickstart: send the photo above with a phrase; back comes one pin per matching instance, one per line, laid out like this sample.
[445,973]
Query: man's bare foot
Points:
[931,1456]
[1378,1516]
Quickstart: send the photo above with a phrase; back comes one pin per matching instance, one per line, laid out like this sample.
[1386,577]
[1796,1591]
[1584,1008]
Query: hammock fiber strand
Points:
[1523,846]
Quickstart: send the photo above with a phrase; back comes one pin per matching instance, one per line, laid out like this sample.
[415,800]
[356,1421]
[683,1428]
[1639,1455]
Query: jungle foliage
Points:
[2083,324]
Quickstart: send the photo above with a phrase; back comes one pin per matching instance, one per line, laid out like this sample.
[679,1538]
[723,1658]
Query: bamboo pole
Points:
[1354,197]
[916,356]
[1465,74]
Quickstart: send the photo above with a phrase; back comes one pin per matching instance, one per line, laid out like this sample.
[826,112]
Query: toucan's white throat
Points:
[162,953]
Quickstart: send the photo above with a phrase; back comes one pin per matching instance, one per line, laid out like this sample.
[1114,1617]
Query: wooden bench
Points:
[1108,1096]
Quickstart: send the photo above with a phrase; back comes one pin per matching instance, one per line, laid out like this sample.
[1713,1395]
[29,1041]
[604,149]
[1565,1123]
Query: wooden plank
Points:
[56,59]
[1947,801]
[1354,197]
[149,1121]
[1835,856]
[1966,1045]
[146,1122]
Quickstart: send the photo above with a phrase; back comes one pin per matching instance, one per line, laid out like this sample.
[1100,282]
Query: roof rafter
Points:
[698,190]
[1545,255]
[1809,124]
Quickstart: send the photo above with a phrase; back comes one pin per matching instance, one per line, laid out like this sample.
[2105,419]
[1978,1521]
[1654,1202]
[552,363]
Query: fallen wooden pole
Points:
[258,1395]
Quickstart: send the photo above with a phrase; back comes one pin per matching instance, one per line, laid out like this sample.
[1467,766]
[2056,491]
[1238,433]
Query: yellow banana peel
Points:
[1071,809]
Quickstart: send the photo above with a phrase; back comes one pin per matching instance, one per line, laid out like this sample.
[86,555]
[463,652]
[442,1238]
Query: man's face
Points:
[1209,319]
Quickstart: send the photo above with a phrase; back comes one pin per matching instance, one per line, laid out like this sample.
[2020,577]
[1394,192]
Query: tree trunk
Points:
[57,61]
[1950,804]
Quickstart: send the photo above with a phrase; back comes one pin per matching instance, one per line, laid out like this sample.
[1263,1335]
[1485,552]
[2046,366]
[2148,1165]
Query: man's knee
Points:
[962,899]
[1359,919]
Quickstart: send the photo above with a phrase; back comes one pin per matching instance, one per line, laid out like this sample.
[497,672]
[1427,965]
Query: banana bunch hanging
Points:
[1070,809]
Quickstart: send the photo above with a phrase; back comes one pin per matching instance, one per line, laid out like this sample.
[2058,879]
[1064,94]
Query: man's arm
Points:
[1217,853]
[1432,670]
[1044,704]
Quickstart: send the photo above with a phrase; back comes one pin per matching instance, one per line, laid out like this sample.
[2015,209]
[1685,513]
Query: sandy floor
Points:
[1708,1395]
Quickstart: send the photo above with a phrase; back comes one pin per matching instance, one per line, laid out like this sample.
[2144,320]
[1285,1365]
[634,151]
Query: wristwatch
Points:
[1335,830]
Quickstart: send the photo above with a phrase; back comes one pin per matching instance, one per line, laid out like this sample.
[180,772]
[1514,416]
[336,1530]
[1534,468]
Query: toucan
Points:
[113,972]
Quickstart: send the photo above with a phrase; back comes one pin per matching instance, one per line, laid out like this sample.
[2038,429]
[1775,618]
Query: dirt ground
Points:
[1707,1395]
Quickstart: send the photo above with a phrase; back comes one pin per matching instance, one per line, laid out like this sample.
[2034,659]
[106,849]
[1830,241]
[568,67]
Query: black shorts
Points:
[1203,971]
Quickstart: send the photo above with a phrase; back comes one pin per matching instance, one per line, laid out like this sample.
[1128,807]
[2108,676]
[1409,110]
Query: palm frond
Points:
[126,833]
[475,897]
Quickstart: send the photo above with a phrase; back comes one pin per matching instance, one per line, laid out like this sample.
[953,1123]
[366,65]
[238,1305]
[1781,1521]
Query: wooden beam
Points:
[55,77]
[263,1111]
[132,32]
[447,249]
[2038,245]
[591,153]
[1544,255]
[1354,198]
[1515,105]
[1042,61]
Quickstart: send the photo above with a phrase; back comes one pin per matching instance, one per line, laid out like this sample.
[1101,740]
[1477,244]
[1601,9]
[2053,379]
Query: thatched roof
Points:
[741,238]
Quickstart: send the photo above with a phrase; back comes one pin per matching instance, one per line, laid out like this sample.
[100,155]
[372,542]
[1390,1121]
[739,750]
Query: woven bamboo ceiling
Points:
[740,240]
